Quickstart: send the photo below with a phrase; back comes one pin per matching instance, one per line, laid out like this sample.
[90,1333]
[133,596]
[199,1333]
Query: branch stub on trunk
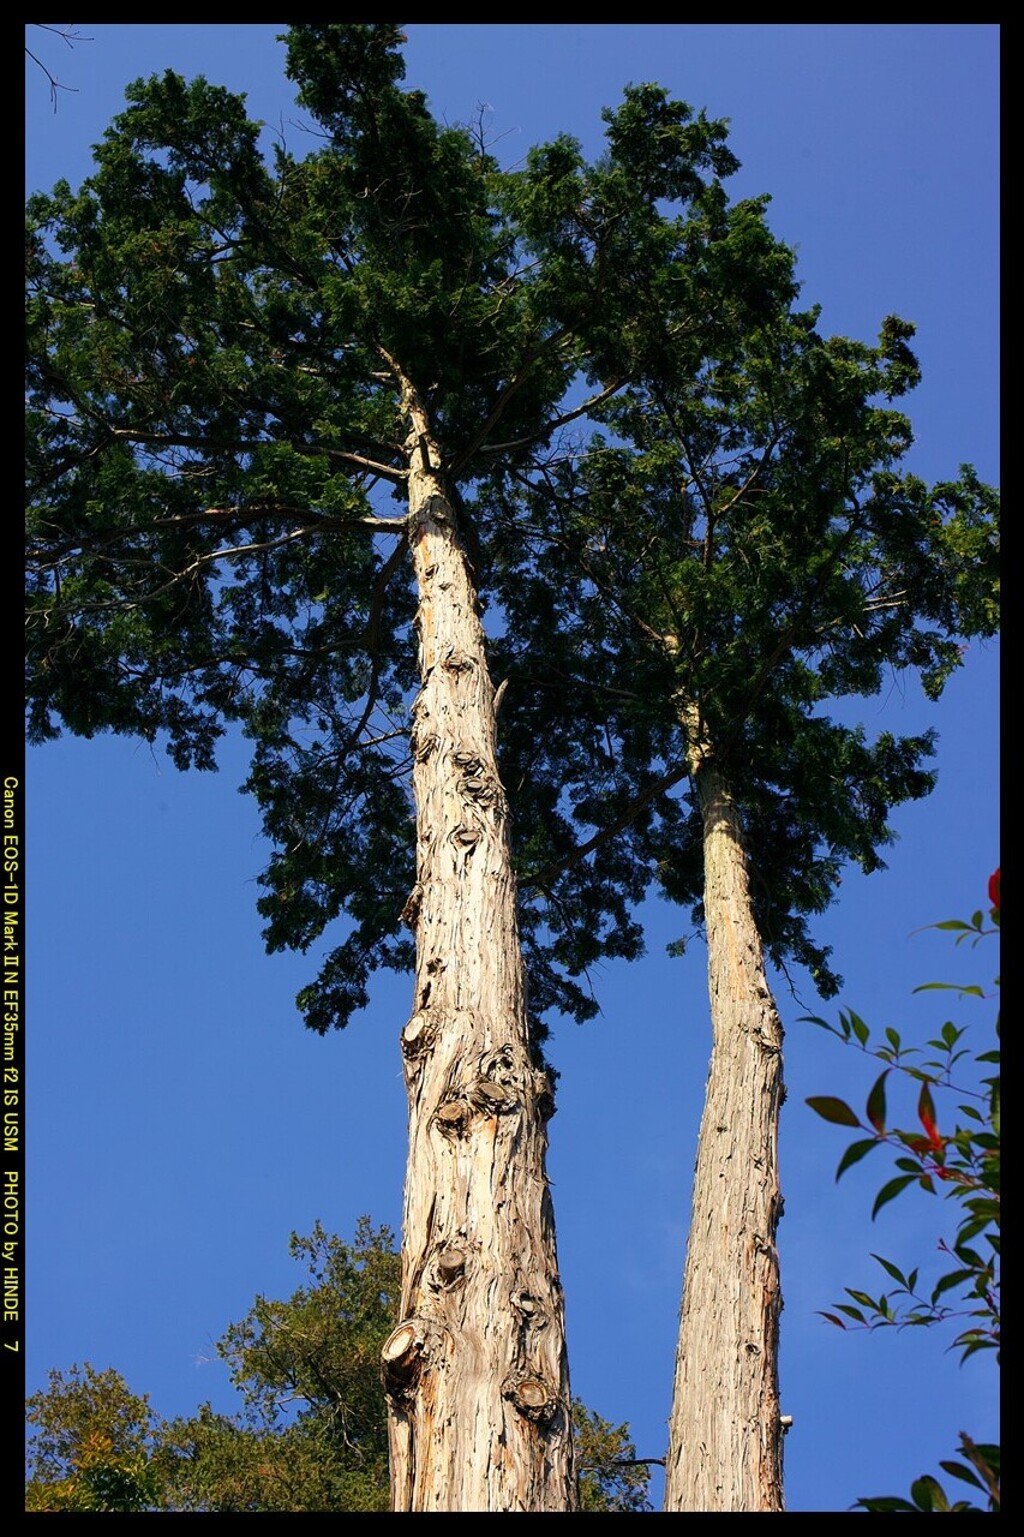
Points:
[451,1118]
[533,1398]
[451,1265]
[401,1359]
[411,911]
[480,790]
[418,1035]
[493,1097]
[543,1094]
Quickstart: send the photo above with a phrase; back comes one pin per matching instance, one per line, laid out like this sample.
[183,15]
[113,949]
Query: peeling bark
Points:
[476,1372]
[725,1442]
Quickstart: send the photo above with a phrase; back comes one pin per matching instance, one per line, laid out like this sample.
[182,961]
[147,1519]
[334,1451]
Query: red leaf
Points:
[926,1115]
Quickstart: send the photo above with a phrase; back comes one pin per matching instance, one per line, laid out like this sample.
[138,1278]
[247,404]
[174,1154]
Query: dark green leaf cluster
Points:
[630,249]
[215,342]
[743,543]
[980,1469]
[312,1435]
[610,1476]
[214,403]
[308,1370]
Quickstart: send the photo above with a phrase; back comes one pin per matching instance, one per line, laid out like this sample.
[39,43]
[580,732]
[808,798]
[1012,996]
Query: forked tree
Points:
[228,360]
[231,365]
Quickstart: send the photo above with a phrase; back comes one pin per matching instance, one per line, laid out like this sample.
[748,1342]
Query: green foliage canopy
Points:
[214,347]
[748,550]
[213,415]
[311,1434]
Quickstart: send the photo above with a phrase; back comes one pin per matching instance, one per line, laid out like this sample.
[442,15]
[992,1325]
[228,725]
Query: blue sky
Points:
[182,1122]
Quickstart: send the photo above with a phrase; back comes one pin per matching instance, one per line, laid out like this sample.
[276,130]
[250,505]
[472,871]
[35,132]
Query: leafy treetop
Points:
[216,343]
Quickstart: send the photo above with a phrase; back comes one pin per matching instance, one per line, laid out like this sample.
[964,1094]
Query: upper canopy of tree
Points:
[216,336]
[745,541]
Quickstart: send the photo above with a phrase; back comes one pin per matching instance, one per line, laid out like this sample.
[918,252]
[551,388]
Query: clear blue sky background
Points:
[182,1122]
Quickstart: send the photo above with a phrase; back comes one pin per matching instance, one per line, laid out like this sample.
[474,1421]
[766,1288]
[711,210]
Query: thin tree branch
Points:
[71,38]
[561,421]
[518,379]
[666,782]
[184,440]
[217,516]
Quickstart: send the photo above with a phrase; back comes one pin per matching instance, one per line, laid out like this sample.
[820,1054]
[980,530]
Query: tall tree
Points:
[226,361]
[232,353]
[749,552]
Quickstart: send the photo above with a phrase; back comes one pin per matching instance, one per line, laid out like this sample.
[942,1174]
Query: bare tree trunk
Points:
[476,1371]
[725,1431]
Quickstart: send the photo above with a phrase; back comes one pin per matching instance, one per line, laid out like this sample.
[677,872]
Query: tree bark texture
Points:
[475,1372]
[725,1441]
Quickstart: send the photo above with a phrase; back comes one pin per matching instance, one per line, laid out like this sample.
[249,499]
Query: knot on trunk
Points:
[480,789]
[452,1117]
[499,1084]
[466,836]
[451,1267]
[535,1399]
[493,1098]
[530,1308]
[458,662]
[475,782]
[501,1064]
[401,1360]
[418,1035]
[435,506]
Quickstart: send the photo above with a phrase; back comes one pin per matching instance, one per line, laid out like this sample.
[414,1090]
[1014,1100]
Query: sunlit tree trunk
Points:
[725,1442]
[475,1372]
